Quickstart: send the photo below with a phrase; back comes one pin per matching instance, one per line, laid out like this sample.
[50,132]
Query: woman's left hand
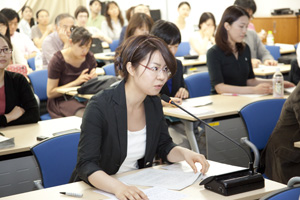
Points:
[288,84]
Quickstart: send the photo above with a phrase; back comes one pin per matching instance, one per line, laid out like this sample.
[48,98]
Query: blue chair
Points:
[198,84]
[38,81]
[56,158]
[114,45]
[274,50]
[260,119]
[109,69]
[31,63]
[296,46]
[183,49]
[291,192]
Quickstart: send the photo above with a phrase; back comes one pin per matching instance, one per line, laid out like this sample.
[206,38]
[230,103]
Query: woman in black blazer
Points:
[123,127]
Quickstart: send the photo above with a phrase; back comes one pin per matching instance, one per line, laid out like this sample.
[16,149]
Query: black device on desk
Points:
[282,11]
[188,57]
[230,183]
[96,46]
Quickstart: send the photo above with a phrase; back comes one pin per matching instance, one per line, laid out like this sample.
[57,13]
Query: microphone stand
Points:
[231,183]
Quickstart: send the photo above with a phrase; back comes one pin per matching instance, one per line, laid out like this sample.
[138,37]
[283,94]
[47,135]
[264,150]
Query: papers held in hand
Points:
[6,142]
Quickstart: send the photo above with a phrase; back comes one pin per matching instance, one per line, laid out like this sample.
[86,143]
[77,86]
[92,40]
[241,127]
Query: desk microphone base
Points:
[234,182]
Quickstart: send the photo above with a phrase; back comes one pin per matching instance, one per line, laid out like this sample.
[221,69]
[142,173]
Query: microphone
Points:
[230,183]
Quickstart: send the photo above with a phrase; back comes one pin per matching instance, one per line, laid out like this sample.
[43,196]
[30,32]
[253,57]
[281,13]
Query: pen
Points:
[72,194]
[229,94]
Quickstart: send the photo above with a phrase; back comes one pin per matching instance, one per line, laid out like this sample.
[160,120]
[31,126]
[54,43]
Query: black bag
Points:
[96,46]
[97,84]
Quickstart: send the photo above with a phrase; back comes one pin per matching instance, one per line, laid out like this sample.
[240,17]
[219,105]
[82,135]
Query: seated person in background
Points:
[40,31]
[123,127]
[68,68]
[17,56]
[140,24]
[229,62]
[27,21]
[112,26]
[280,160]
[186,29]
[259,53]
[250,7]
[59,39]
[81,15]
[17,102]
[175,86]
[20,41]
[130,12]
[203,39]
[95,19]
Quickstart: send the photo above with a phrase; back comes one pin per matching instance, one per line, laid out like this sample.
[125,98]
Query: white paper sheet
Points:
[194,110]
[195,102]
[290,90]
[175,180]
[154,193]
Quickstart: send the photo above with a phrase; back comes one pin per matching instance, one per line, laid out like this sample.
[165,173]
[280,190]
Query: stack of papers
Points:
[170,179]
[6,142]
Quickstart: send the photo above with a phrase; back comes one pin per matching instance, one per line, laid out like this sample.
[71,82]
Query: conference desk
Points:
[108,56]
[286,48]
[18,168]
[192,192]
[270,70]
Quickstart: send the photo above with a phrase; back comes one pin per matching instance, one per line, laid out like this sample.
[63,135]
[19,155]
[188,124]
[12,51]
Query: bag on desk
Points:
[97,84]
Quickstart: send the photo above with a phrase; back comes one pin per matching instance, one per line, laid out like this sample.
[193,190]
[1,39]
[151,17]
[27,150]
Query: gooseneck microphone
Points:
[231,183]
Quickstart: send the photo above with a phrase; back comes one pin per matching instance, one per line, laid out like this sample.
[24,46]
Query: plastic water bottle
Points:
[270,38]
[38,61]
[278,86]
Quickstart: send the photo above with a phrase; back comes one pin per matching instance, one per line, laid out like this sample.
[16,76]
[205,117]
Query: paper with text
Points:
[175,180]
[154,193]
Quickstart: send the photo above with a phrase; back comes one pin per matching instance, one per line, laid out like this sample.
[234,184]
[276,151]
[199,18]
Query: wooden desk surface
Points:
[270,70]
[25,135]
[193,192]
[221,106]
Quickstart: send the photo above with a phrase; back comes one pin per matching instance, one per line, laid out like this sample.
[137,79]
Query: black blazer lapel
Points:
[121,117]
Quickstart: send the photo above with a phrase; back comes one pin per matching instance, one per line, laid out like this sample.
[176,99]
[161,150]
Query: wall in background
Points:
[169,7]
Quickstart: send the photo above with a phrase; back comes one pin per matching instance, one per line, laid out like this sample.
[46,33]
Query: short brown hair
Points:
[136,48]
[81,9]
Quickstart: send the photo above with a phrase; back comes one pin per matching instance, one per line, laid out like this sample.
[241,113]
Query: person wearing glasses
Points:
[17,102]
[59,39]
[123,127]
[68,68]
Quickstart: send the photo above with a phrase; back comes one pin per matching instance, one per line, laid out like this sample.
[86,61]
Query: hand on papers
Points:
[255,62]
[192,157]
[130,192]
[270,62]
[182,93]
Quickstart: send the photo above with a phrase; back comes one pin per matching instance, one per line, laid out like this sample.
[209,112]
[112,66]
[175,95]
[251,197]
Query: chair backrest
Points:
[198,84]
[31,63]
[114,45]
[109,69]
[260,119]
[183,49]
[274,50]
[57,158]
[38,80]
[292,192]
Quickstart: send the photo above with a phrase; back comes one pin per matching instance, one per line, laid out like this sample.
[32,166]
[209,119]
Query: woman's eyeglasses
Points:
[165,70]
[6,50]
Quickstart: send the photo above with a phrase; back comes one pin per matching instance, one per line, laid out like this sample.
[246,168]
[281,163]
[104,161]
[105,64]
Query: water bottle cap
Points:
[269,32]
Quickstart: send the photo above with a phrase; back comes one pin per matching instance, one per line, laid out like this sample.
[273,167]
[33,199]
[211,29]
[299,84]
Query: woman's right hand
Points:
[263,88]
[14,114]
[130,192]
[83,77]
